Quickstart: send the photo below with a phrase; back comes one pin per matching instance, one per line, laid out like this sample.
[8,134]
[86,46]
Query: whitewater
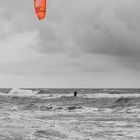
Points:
[54,114]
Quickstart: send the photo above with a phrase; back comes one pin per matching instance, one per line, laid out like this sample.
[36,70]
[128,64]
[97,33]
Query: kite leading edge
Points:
[40,8]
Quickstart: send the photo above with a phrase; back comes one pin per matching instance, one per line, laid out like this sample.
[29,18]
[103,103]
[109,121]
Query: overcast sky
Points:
[81,43]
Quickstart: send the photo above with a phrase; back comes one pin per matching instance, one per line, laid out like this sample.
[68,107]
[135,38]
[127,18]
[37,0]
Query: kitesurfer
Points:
[75,93]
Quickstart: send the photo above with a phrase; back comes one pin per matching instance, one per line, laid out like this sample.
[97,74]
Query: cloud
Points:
[77,37]
[16,52]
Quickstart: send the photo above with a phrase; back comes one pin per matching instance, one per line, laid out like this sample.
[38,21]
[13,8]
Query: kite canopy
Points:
[40,8]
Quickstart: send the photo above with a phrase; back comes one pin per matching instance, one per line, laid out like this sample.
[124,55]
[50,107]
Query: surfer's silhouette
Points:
[75,93]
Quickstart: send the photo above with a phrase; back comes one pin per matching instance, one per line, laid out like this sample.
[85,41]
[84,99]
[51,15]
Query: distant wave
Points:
[108,95]
[49,134]
[21,92]
[125,102]
[115,92]
[30,100]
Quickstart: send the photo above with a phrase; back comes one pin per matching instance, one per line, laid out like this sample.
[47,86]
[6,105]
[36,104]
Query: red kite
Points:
[40,8]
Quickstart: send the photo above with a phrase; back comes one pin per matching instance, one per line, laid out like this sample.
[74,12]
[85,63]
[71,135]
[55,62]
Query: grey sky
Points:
[81,43]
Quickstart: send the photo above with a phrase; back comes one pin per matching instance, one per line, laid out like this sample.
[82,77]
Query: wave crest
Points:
[21,92]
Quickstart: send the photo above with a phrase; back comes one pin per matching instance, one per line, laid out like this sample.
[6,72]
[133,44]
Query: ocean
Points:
[55,114]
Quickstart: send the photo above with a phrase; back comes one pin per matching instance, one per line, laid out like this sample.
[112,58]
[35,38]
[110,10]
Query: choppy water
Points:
[54,114]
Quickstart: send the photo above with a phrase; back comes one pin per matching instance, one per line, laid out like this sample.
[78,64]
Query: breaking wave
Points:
[21,92]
